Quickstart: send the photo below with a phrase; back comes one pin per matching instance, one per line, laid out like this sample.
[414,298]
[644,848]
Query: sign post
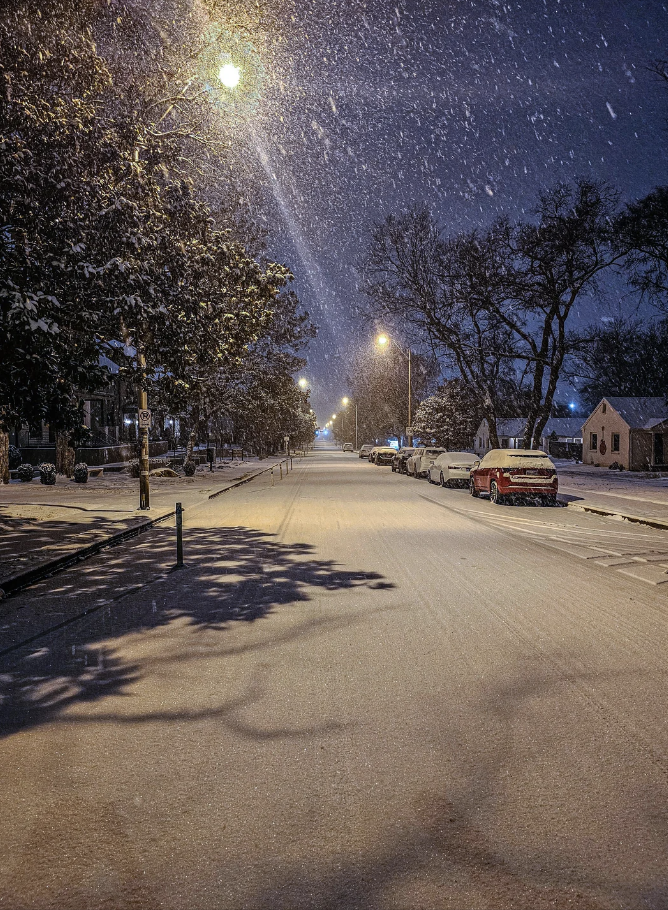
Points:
[144,421]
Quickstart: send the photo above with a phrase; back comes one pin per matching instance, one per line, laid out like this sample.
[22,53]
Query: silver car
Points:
[421,460]
[452,469]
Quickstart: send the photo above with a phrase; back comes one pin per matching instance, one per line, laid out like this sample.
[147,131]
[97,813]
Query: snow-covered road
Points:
[363,691]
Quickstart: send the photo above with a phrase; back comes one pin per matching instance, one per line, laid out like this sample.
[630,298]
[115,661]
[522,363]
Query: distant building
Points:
[633,432]
[561,437]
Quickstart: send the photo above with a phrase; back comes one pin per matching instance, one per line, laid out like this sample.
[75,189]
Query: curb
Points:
[657,523]
[21,580]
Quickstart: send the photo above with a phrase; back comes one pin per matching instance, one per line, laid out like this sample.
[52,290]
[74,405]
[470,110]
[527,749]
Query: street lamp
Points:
[229,75]
[345,402]
[302,382]
[383,342]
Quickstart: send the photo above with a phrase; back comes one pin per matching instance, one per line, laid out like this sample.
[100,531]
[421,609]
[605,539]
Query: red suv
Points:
[506,473]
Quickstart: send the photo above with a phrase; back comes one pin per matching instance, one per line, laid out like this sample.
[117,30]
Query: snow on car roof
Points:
[520,458]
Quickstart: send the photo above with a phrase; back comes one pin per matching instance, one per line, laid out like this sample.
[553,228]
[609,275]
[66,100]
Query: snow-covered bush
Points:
[133,468]
[47,473]
[14,458]
[189,468]
[25,472]
[81,472]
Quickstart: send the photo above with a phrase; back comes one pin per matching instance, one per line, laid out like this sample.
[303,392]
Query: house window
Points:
[604,408]
[504,443]
[479,442]
[593,441]
[614,445]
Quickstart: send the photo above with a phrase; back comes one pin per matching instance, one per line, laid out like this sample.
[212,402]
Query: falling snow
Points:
[470,108]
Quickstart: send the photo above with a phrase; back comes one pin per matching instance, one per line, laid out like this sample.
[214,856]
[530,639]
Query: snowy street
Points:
[362,691]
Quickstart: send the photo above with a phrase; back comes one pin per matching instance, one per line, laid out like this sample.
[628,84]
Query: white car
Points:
[452,469]
[348,447]
[421,460]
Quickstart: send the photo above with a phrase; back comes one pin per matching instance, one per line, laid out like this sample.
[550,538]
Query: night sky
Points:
[468,106]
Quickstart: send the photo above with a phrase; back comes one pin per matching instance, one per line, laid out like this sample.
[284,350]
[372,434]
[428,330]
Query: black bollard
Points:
[179,536]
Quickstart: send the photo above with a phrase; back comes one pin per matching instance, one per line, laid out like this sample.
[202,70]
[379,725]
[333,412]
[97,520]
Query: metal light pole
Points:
[409,436]
[356,446]
[383,341]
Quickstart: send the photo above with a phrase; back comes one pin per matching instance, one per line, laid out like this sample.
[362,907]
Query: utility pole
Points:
[356,446]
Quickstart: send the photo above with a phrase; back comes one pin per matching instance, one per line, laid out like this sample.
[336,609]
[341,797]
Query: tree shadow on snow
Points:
[54,639]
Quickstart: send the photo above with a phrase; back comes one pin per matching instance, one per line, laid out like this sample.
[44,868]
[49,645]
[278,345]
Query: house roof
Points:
[511,427]
[562,426]
[640,413]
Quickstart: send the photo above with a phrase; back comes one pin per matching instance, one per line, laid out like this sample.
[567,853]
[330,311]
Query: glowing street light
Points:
[344,402]
[229,75]
[382,341]
[333,416]
[302,382]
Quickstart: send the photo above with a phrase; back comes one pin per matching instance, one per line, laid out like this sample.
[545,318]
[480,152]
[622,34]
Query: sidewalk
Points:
[43,526]
[637,496]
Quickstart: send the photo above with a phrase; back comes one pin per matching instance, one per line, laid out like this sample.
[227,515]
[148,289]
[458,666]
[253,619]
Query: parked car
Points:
[383,455]
[508,473]
[452,469]
[400,459]
[421,460]
[348,447]
[365,450]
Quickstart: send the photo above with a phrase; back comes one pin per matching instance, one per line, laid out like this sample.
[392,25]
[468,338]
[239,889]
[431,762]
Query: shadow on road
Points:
[54,645]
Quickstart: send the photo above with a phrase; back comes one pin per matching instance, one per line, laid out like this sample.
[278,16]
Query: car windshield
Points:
[433,451]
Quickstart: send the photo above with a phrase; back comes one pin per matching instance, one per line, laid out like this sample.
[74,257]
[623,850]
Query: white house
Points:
[566,431]
[631,432]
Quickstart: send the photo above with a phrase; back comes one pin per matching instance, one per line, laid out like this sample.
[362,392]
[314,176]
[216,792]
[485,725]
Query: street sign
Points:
[286,439]
[409,431]
[144,418]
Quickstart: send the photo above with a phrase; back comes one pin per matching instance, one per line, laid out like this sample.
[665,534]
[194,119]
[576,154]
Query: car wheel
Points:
[472,489]
[442,481]
[494,494]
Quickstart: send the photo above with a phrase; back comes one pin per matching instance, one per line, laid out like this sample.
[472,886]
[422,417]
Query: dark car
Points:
[383,455]
[509,473]
[400,458]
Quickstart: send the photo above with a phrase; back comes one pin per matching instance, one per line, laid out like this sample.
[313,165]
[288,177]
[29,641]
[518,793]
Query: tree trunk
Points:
[190,446]
[490,416]
[4,457]
[65,455]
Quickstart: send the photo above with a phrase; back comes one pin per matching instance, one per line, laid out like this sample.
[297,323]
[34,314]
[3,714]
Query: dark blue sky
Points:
[468,106]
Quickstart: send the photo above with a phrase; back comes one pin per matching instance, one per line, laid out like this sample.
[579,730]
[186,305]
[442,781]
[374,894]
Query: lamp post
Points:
[383,342]
[345,402]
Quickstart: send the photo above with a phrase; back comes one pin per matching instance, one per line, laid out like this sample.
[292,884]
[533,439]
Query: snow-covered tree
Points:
[450,417]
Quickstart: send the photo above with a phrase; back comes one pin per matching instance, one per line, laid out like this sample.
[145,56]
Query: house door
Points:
[658,448]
